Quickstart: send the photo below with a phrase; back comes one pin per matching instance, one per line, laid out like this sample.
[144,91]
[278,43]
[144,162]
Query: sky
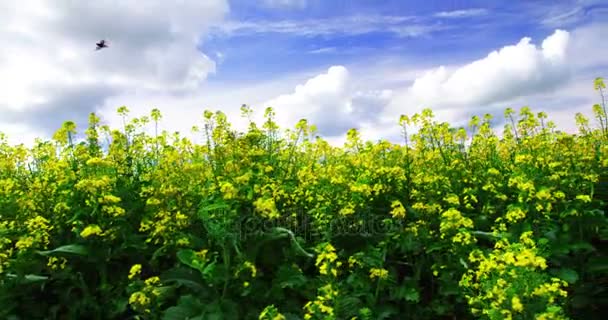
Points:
[339,64]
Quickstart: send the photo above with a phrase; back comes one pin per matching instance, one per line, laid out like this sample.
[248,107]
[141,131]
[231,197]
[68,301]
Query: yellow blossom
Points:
[516,304]
[135,271]
[378,273]
[91,230]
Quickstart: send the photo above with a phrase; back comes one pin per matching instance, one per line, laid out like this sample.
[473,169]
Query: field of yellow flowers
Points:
[270,224]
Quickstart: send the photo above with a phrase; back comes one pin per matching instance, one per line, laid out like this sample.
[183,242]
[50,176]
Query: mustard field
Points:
[453,223]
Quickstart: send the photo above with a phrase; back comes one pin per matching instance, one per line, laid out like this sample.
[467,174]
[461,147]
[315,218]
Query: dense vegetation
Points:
[452,224]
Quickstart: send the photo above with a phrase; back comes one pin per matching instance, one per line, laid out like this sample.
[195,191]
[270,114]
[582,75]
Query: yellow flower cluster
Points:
[515,214]
[144,299]
[91,230]
[321,307]
[56,263]
[153,192]
[452,219]
[247,265]
[94,186]
[266,207]
[135,271]
[228,190]
[38,229]
[509,266]
[327,260]
[380,273]
[551,290]
[271,313]
[398,211]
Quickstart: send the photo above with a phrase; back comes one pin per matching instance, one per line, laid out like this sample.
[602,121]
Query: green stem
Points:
[227,271]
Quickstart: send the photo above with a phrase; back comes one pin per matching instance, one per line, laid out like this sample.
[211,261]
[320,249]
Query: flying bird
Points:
[101,44]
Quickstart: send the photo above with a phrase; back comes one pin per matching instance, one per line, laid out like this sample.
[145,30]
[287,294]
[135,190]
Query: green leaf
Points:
[119,307]
[434,247]
[464,264]
[158,253]
[187,256]
[581,246]
[29,278]
[184,277]
[406,292]
[347,307]
[178,313]
[599,264]
[387,312]
[484,234]
[411,294]
[225,309]
[290,277]
[568,275]
[76,249]
[188,307]
[215,206]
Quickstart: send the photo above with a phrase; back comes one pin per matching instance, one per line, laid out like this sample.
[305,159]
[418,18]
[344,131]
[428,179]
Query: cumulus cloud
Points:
[50,68]
[331,102]
[511,72]
[540,76]
[51,72]
[589,46]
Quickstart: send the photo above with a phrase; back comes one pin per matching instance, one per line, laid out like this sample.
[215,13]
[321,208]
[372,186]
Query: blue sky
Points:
[263,49]
[340,64]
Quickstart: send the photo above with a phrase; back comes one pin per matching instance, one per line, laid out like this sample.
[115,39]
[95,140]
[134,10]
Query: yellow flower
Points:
[326,260]
[516,304]
[183,242]
[348,210]
[228,190]
[135,271]
[109,199]
[266,207]
[583,197]
[452,199]
[352,262]
[398,211]
[55,263]
[251,267]
[139,299]
[24,243]
[515,214]
[152,281]
[378,273]
[91,230]
[202,254]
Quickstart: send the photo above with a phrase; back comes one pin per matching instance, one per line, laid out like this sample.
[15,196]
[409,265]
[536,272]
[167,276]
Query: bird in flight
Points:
[101,44]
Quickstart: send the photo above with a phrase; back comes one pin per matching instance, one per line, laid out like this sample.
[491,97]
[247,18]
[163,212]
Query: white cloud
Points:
[402,26]
[461,13]
[183,112]
[589,46]
[331,102]
[511,72]
[297,4]
[323,50]
[52,73]
[560,15]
